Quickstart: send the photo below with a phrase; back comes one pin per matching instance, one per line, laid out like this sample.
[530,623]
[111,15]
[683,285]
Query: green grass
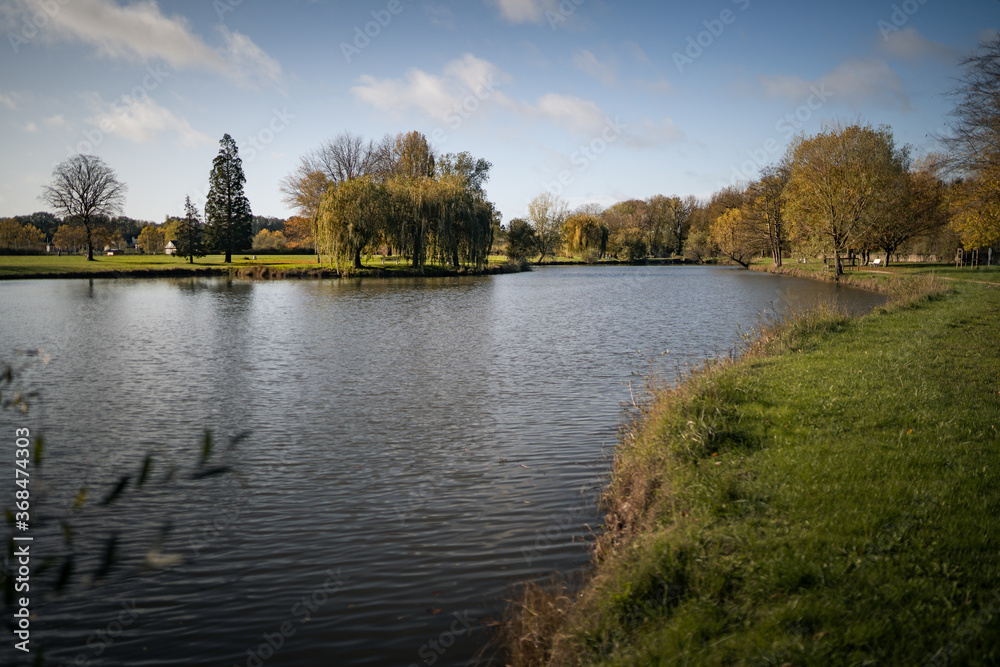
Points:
[989,274]
[29,266]
[878,275]
[833,498]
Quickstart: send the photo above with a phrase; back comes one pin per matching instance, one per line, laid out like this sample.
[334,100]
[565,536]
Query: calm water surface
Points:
[415,448]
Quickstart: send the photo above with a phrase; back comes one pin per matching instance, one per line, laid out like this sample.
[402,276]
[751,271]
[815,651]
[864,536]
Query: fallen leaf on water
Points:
[434,612]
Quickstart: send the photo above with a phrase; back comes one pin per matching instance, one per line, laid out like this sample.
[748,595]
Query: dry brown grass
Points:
[533,622]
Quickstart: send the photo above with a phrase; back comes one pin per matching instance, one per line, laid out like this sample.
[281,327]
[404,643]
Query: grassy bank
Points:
[881,278]
[831,498]
[14,267]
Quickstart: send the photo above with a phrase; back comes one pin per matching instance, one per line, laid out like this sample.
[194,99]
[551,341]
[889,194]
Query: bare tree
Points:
[343,158]
[85,188]
[304,190]
[974,147]
[547,213]
[975,121]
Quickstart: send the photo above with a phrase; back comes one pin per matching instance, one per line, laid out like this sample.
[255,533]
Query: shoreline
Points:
[266,272]
[771,508]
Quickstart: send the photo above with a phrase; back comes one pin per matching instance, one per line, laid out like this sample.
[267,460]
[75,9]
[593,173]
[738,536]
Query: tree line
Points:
[846,192]
[849,189]
[354,197]
[89,195]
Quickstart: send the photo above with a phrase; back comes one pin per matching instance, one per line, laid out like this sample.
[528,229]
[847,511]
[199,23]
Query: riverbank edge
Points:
[869,281]
[265,272]
[675,434]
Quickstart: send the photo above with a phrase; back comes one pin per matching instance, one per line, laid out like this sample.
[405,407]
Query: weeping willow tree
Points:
[414,211]
[464,229]
[438,218]
[352,217]
[583,232]
[424,213]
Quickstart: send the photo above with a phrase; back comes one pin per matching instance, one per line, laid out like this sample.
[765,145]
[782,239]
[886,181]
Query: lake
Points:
[413,448]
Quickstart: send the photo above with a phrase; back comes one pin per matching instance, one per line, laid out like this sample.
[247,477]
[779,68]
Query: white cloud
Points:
[555,13]
[144,121]
[475,73]
[532,55]
[247,62]
[437,95]
[636,51]
[58,122]
[909,44]
[588,63]
[662,86]
[432,94]
[523,11]
[575,114]
[441,16]
[140,31]
[651,133]
[9,100]
[856,82]
[29,127]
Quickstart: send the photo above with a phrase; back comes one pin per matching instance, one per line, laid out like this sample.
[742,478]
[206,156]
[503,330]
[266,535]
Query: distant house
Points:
[109,251]
[170,248]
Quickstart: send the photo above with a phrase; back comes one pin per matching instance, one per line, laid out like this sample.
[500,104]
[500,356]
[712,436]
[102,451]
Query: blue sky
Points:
[596,101]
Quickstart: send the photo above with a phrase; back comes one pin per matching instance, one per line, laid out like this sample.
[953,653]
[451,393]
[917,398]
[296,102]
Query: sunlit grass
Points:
[816,268]
[830,498]
[37,265]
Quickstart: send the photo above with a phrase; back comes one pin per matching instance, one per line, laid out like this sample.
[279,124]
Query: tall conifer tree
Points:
[189,233]
[229,224]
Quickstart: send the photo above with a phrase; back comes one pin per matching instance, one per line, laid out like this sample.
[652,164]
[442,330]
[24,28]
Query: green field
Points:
[816,268]
[832,498]
[34,266]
